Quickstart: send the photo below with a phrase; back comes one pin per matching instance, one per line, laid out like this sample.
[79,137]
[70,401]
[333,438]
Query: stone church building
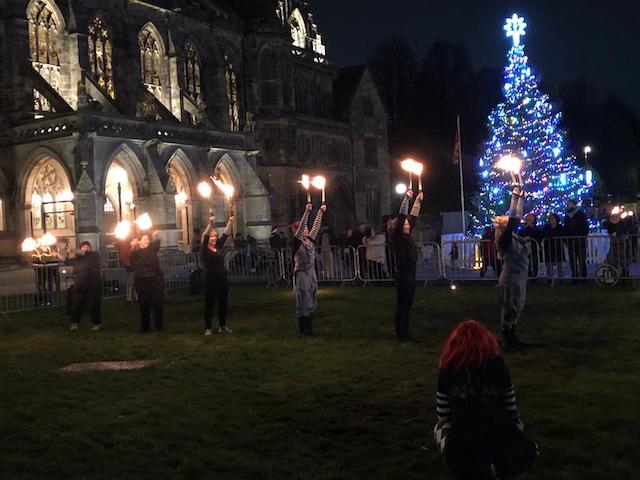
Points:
[112,108]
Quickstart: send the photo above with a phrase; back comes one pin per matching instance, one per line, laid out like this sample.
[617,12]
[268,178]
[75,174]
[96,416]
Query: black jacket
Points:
[576,225]
[145,261]
[87,270]
[403,245]
[213,262]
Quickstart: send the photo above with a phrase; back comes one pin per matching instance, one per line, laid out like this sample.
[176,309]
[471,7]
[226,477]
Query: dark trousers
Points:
[216,290]
[83,299]
[578,257]
[405,290]
[151,299]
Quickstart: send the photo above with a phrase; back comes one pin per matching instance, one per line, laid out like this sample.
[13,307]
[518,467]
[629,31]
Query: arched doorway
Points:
[185,221]
[49,201]
[119,198]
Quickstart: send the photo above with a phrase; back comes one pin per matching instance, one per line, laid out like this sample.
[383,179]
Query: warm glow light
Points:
[47,198]
[615,210]
[119,174]
[226,188]
[29,244]
[587,150]
[624,215]
[127,197]
[144,222]
[417,168]
[181,198]
[306,183]
[36,200]
[319,182]
[48,239]
[453,287]
[509,163]
[408,165]
[66,196]
[401,188]
[123,230]
[204,189]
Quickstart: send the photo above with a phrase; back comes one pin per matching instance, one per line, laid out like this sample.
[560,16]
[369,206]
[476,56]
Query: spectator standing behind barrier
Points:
[196,242]
[124,250]
[305,281]
[533,234]
[577,227]
[618,254]
[326,255]
[553,246]
[375,254]
[216,287]
[148,280]
[488,252]
[514,251]
[406,255]
[479,431]
[87,286]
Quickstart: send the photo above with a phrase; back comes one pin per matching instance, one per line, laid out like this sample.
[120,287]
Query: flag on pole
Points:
[457,149]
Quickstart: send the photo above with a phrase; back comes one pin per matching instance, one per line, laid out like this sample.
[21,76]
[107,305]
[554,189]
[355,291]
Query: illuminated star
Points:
[515,28]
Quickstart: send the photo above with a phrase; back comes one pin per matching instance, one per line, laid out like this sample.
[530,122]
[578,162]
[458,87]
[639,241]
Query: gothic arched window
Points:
[100,55]
[43,34]
[192,72]
[268,79]
[232,94]
[298,29]
[150,57]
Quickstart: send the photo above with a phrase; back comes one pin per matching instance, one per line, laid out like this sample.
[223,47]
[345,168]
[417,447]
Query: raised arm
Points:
[317,223]
[303,222]
[207,231]
[227,232]
[517,202]
[404,206]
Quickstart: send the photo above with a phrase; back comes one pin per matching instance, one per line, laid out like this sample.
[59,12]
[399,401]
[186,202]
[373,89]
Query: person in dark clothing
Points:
[576,226]
[514,252]
[619,254]
[553,246]
[406,255]
[488,252]
[479,431]
[87,286]
[216,287]
[148,280]
[533,233]
[196,242]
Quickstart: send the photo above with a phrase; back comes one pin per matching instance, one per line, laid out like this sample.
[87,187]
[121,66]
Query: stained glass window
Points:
[101,55]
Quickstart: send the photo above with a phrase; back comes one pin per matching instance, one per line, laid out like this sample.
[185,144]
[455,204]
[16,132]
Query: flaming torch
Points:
[306,183]
[123,230]
[226,189]
[513,165]
[320,182]
[144,222]
[408,166]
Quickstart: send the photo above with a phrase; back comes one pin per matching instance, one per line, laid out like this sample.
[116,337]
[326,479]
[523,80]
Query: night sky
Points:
[565,40]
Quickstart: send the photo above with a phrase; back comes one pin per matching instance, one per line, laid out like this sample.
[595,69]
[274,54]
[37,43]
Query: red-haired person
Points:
[479,431]
[406,255]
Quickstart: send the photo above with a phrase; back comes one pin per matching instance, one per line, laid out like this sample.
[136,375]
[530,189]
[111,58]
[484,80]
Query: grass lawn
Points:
[350,404]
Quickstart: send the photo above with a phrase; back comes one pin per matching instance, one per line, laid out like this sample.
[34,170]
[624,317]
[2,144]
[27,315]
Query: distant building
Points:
[128,104]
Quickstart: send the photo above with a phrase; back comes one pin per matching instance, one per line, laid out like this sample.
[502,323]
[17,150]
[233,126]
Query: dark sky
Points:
[565,40]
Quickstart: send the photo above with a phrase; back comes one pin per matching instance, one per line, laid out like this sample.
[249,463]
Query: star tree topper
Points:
[515,28]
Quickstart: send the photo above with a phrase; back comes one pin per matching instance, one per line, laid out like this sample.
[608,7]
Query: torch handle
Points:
[410,181]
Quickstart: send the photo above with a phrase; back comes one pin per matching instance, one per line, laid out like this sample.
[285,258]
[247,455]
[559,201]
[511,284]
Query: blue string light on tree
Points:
[525,124]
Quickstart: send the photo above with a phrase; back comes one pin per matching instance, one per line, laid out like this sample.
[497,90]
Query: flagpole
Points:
[464,222]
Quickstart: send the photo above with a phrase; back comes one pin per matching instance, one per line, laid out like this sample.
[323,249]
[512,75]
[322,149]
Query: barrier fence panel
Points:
[429,265]
[337,264]
[254,265]
[476,259]
[376,264]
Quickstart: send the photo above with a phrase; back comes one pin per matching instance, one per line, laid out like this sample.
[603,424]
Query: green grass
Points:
[349,404]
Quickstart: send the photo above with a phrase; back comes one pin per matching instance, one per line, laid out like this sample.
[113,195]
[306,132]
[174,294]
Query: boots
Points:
[511,341]
[302,321]
[309,326]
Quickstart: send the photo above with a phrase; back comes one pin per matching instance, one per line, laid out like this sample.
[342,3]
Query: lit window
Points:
[100,56]
[298,29]
[2,222]
[232,94]
[43,34]
[150,57]
[192,72]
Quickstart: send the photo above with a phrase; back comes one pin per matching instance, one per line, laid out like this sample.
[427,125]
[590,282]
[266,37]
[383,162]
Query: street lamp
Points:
[120,176]
[401,189]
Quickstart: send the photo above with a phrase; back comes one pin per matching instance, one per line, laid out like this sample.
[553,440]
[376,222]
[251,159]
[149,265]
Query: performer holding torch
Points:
[514,251]
[406,255]
[305,282]
[216,287]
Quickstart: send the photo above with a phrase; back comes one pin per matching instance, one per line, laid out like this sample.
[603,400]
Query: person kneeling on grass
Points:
[216,287]
[479,431]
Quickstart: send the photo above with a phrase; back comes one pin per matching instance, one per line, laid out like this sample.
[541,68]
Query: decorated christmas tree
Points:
[525,125]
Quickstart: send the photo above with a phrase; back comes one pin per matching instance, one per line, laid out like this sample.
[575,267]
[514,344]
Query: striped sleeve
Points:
[303,223]
[443,411]
[511,407]
[317,223]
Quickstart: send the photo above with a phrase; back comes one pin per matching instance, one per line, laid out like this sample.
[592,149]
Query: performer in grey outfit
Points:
[513,251]
[305,282]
